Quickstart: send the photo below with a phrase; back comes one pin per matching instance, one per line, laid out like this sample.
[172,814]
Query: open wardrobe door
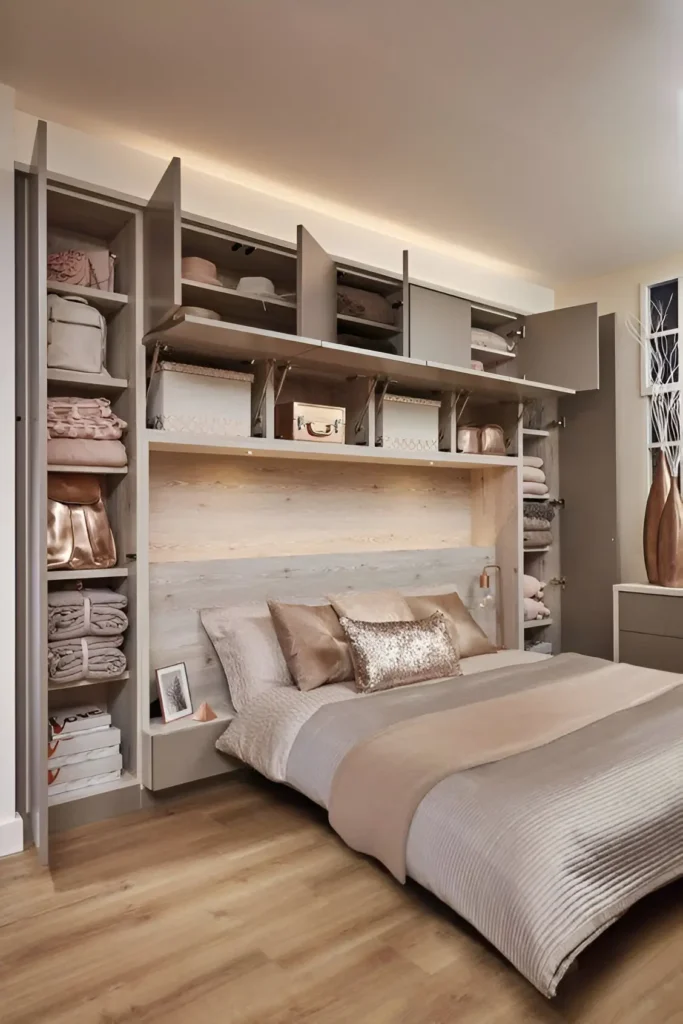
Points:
[163,248]
[34,217]
[316,289]
[561,347]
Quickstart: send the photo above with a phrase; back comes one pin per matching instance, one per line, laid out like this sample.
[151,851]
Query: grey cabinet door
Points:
[163,248]
[588,521]
[440,327]
[561,347]
[405,310]
[36,305]
[316,289]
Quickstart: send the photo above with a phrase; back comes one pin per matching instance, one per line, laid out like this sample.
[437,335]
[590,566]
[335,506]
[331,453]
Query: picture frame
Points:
[174,692]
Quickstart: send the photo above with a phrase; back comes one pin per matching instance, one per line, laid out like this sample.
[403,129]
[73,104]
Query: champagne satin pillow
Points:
[372,606]
[313,643]
[465,632]
[389,654]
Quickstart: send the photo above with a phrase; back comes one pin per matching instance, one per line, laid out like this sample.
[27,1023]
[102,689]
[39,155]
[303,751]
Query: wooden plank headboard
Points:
[178,590]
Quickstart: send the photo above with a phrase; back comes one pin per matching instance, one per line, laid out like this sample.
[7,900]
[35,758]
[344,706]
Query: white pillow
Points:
[246,643]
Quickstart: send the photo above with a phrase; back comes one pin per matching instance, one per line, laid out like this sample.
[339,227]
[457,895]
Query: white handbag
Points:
[76,335]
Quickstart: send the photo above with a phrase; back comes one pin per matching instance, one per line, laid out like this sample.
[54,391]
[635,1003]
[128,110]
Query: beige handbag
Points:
[78,532]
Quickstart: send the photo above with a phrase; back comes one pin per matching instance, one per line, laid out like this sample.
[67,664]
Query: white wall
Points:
[348,234]
[620,293]
[11,829]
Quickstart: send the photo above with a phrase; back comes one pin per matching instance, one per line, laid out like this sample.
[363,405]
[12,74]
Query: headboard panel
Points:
[178,590]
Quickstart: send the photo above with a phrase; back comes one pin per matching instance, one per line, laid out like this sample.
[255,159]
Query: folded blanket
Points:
[65,451]
[89,658]
[87,418]
[533,489]
[537,538]
[534,610]
[532,523]
[533,461]
[83,615]
[531,475]
[539,510]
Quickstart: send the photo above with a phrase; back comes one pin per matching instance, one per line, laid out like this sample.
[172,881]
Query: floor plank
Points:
[240,905]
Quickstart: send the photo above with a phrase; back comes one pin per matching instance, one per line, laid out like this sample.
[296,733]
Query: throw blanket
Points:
[537,538]
[382,781]
[65,451]
[539,510]
[85,418]
[75,613]
[532,523]
[91,658]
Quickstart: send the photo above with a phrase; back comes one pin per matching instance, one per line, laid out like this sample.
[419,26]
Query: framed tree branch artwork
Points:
[174,692]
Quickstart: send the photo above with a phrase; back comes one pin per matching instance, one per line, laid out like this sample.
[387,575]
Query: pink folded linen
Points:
[65,451]
[534,489]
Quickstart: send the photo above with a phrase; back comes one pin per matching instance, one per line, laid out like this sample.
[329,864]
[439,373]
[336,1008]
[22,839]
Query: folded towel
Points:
[87,618]
[531,475]
[533,461]
[532,587]
[533,489]
[532,523]
[537,538]
[89,658]
[539,510]
[66,451]
[534,610]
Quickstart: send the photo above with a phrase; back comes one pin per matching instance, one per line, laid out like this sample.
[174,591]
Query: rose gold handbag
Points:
[492,440]
[93,269]
[78,532]
[469,440]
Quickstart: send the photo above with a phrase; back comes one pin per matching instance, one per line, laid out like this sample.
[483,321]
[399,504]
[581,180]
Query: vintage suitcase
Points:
[200,400]
[299,421]
[410,424]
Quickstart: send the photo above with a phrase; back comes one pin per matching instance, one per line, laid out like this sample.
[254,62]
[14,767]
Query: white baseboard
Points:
[11,836]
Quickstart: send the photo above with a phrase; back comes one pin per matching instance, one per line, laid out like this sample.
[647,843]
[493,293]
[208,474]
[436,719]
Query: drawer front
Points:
[650,651]
[651,613]
[187,756]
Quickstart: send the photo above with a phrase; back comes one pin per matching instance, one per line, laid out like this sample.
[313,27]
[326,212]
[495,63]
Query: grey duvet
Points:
[542,850]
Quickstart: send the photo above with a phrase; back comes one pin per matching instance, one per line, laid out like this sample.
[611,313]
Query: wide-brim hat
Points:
[258,287]
[194,268]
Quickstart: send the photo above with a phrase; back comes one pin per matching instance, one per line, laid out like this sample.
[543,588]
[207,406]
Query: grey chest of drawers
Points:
[648,626]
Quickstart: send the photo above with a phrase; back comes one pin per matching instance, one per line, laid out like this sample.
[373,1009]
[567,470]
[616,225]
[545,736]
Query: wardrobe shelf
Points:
[528,432]
[538,623]
[86,383]
[536,551]
[94,470]
[126,780]
[366,328]
[87,682]
[219,340]
[160,440]
[490,357]
[106,302]
[84,574]
[535,497]
[272,313]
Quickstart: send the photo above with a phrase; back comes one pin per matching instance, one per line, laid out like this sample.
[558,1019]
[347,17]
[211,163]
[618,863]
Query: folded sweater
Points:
[531,475]
[533,461]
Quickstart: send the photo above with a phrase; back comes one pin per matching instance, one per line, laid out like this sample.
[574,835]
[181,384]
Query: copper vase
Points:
[670,545]
[656,500]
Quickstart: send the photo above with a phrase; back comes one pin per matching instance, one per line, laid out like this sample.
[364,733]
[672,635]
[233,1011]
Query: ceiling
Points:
[543,133]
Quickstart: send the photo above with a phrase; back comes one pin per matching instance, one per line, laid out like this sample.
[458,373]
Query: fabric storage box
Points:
[299,421]
[410,424]
[200,400]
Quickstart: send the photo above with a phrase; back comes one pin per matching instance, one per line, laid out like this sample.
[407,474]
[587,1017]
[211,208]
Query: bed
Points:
[541,850]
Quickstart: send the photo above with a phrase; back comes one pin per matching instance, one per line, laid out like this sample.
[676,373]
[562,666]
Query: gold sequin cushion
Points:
[388,654]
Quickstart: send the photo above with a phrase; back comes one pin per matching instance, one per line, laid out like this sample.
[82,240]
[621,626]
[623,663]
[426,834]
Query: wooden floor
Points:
[239,906]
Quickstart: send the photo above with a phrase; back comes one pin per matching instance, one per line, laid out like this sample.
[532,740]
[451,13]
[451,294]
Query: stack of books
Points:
[84,750]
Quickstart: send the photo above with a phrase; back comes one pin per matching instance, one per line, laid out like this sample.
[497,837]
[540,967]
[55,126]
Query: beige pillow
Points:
[389,654]
[313,643]
[465,632]
[372,606]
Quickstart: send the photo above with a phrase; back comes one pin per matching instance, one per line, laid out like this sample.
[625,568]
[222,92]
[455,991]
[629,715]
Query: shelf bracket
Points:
[380,399]
[557,502]
[561,422]
[256,419]
[558,581]
[358,425]
[155,363]
[283,377]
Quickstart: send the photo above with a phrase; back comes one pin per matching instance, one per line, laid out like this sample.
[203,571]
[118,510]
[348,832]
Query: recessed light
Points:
[250,452]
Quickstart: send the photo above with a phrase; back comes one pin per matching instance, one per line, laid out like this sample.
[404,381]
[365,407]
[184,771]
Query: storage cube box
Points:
[410,424]
[200,400]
